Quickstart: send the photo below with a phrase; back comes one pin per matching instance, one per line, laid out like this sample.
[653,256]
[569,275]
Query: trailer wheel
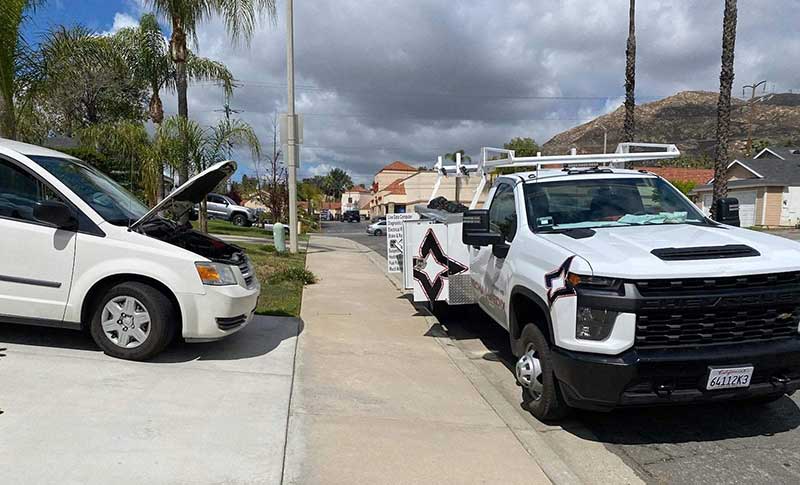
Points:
[534,371]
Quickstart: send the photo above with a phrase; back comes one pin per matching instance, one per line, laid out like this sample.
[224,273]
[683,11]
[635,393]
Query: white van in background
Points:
[79,251]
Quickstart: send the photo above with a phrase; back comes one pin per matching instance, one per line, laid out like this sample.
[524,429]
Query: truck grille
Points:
[247,271]
[709,311]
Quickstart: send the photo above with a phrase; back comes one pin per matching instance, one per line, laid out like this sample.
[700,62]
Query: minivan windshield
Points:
[606,202]
[108,198]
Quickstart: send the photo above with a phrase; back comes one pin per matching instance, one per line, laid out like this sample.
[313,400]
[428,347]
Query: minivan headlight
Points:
[215,274]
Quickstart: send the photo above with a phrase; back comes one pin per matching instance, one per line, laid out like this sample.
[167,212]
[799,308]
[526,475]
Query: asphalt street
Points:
[719,443]
[356,231]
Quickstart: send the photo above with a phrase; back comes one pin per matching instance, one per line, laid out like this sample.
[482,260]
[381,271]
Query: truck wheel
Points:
[133,321]
[239,220]
[534,370]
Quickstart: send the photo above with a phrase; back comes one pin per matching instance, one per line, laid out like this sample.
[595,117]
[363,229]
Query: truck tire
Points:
[239,219]
[133,321]
[542,398]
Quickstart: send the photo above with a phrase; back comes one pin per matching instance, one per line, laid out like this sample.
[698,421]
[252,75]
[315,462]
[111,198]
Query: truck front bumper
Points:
[673,376]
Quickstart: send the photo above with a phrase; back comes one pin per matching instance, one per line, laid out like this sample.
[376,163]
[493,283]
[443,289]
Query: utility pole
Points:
[226,108]
[752,88]
[291,152]
[605,137]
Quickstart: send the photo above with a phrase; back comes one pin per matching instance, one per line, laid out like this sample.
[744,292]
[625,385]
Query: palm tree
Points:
[14,60]
[629,126]
[185,15]
[130,145]
[337,182]
[178,137]
[724,104]
[147,52]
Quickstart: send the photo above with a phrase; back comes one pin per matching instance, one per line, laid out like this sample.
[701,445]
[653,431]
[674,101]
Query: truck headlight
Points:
[215,274]
[594,323]
[594,282]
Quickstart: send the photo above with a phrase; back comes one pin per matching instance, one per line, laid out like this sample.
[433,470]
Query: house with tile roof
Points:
[398,187]
[768,188]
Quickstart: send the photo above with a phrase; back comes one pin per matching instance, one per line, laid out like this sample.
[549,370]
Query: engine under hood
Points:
[187,238]
[193,191]
[627,252]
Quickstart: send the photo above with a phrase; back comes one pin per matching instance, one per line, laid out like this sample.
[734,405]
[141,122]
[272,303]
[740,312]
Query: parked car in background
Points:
[223,207]
[351,216]
[377,228]
[86,254]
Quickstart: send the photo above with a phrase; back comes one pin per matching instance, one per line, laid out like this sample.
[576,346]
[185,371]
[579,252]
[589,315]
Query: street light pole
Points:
[291,123]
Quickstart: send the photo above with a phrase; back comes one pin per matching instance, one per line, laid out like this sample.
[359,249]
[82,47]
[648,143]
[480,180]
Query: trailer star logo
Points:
[432,266]
[556,282]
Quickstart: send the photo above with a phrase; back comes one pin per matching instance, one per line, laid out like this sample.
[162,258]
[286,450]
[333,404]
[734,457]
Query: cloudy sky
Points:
[383,80]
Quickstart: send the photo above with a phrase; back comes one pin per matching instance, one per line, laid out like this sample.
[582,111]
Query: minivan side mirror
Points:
[475,230]
[56,213]
[727,211]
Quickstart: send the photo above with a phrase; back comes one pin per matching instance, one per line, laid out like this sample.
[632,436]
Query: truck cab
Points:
[617,291]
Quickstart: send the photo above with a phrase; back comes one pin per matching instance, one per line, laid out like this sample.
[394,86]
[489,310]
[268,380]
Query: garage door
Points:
[747,206]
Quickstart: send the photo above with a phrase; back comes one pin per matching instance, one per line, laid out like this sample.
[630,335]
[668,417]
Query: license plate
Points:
[729,377]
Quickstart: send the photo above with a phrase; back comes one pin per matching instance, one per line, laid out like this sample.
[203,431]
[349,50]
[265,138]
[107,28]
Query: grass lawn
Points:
[279,296]
[225,228]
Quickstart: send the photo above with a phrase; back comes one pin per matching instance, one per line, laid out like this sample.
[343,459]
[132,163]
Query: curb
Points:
[531,440]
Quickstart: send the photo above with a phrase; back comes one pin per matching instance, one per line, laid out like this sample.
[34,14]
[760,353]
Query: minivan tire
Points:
[162,325]
[549,405]
[239,220]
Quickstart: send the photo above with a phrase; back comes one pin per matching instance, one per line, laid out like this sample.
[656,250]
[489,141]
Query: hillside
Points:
[689,119]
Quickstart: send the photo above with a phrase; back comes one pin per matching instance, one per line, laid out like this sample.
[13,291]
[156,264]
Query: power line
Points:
[244,83]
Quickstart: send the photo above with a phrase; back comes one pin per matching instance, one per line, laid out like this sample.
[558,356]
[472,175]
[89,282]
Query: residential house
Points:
[398,187]
[767,186]
[357,198]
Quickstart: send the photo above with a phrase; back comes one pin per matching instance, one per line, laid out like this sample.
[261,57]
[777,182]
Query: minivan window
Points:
[20,191]
[108,198]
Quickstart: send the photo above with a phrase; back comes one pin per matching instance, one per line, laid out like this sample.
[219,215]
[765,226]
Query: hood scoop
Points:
[705,252]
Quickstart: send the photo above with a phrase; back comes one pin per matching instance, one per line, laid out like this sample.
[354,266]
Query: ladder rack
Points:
[493,158]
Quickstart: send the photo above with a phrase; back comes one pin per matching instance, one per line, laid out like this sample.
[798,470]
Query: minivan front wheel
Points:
[133,321]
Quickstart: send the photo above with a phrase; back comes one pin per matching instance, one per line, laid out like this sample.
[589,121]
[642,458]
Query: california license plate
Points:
[729,377]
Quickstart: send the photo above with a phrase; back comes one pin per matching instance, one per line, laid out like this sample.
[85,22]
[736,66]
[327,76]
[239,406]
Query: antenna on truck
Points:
[494,158]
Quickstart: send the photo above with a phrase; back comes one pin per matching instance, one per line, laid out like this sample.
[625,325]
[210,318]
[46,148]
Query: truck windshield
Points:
[606,202]
[108,198]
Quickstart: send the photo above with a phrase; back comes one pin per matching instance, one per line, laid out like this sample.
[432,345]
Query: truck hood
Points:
[194,190]
[625,252]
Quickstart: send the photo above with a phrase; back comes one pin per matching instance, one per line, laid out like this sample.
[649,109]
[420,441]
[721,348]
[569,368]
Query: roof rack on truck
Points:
[494,158]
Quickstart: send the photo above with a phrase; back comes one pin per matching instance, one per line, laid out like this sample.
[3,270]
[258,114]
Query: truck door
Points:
[36,259]
[491,272]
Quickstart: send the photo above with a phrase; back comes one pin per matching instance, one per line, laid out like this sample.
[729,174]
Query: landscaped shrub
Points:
[294,274]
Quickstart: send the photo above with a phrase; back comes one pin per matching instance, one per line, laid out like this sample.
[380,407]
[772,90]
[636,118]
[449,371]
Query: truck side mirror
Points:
[475,230]
[727,211]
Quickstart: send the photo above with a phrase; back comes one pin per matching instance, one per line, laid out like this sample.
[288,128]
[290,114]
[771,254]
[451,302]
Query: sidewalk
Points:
[377,399]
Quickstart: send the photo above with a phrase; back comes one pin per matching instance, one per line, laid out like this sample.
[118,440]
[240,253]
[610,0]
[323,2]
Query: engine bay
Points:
[183,236]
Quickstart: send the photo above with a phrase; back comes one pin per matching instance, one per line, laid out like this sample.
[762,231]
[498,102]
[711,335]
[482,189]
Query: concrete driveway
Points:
[201,413]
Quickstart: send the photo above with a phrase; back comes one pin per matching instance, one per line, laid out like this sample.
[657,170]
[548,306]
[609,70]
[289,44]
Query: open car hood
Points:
[194,190]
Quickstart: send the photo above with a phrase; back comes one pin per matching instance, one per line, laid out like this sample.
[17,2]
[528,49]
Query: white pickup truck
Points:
[614,288]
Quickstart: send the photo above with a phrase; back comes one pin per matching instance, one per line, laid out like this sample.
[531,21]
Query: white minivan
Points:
[79,251]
